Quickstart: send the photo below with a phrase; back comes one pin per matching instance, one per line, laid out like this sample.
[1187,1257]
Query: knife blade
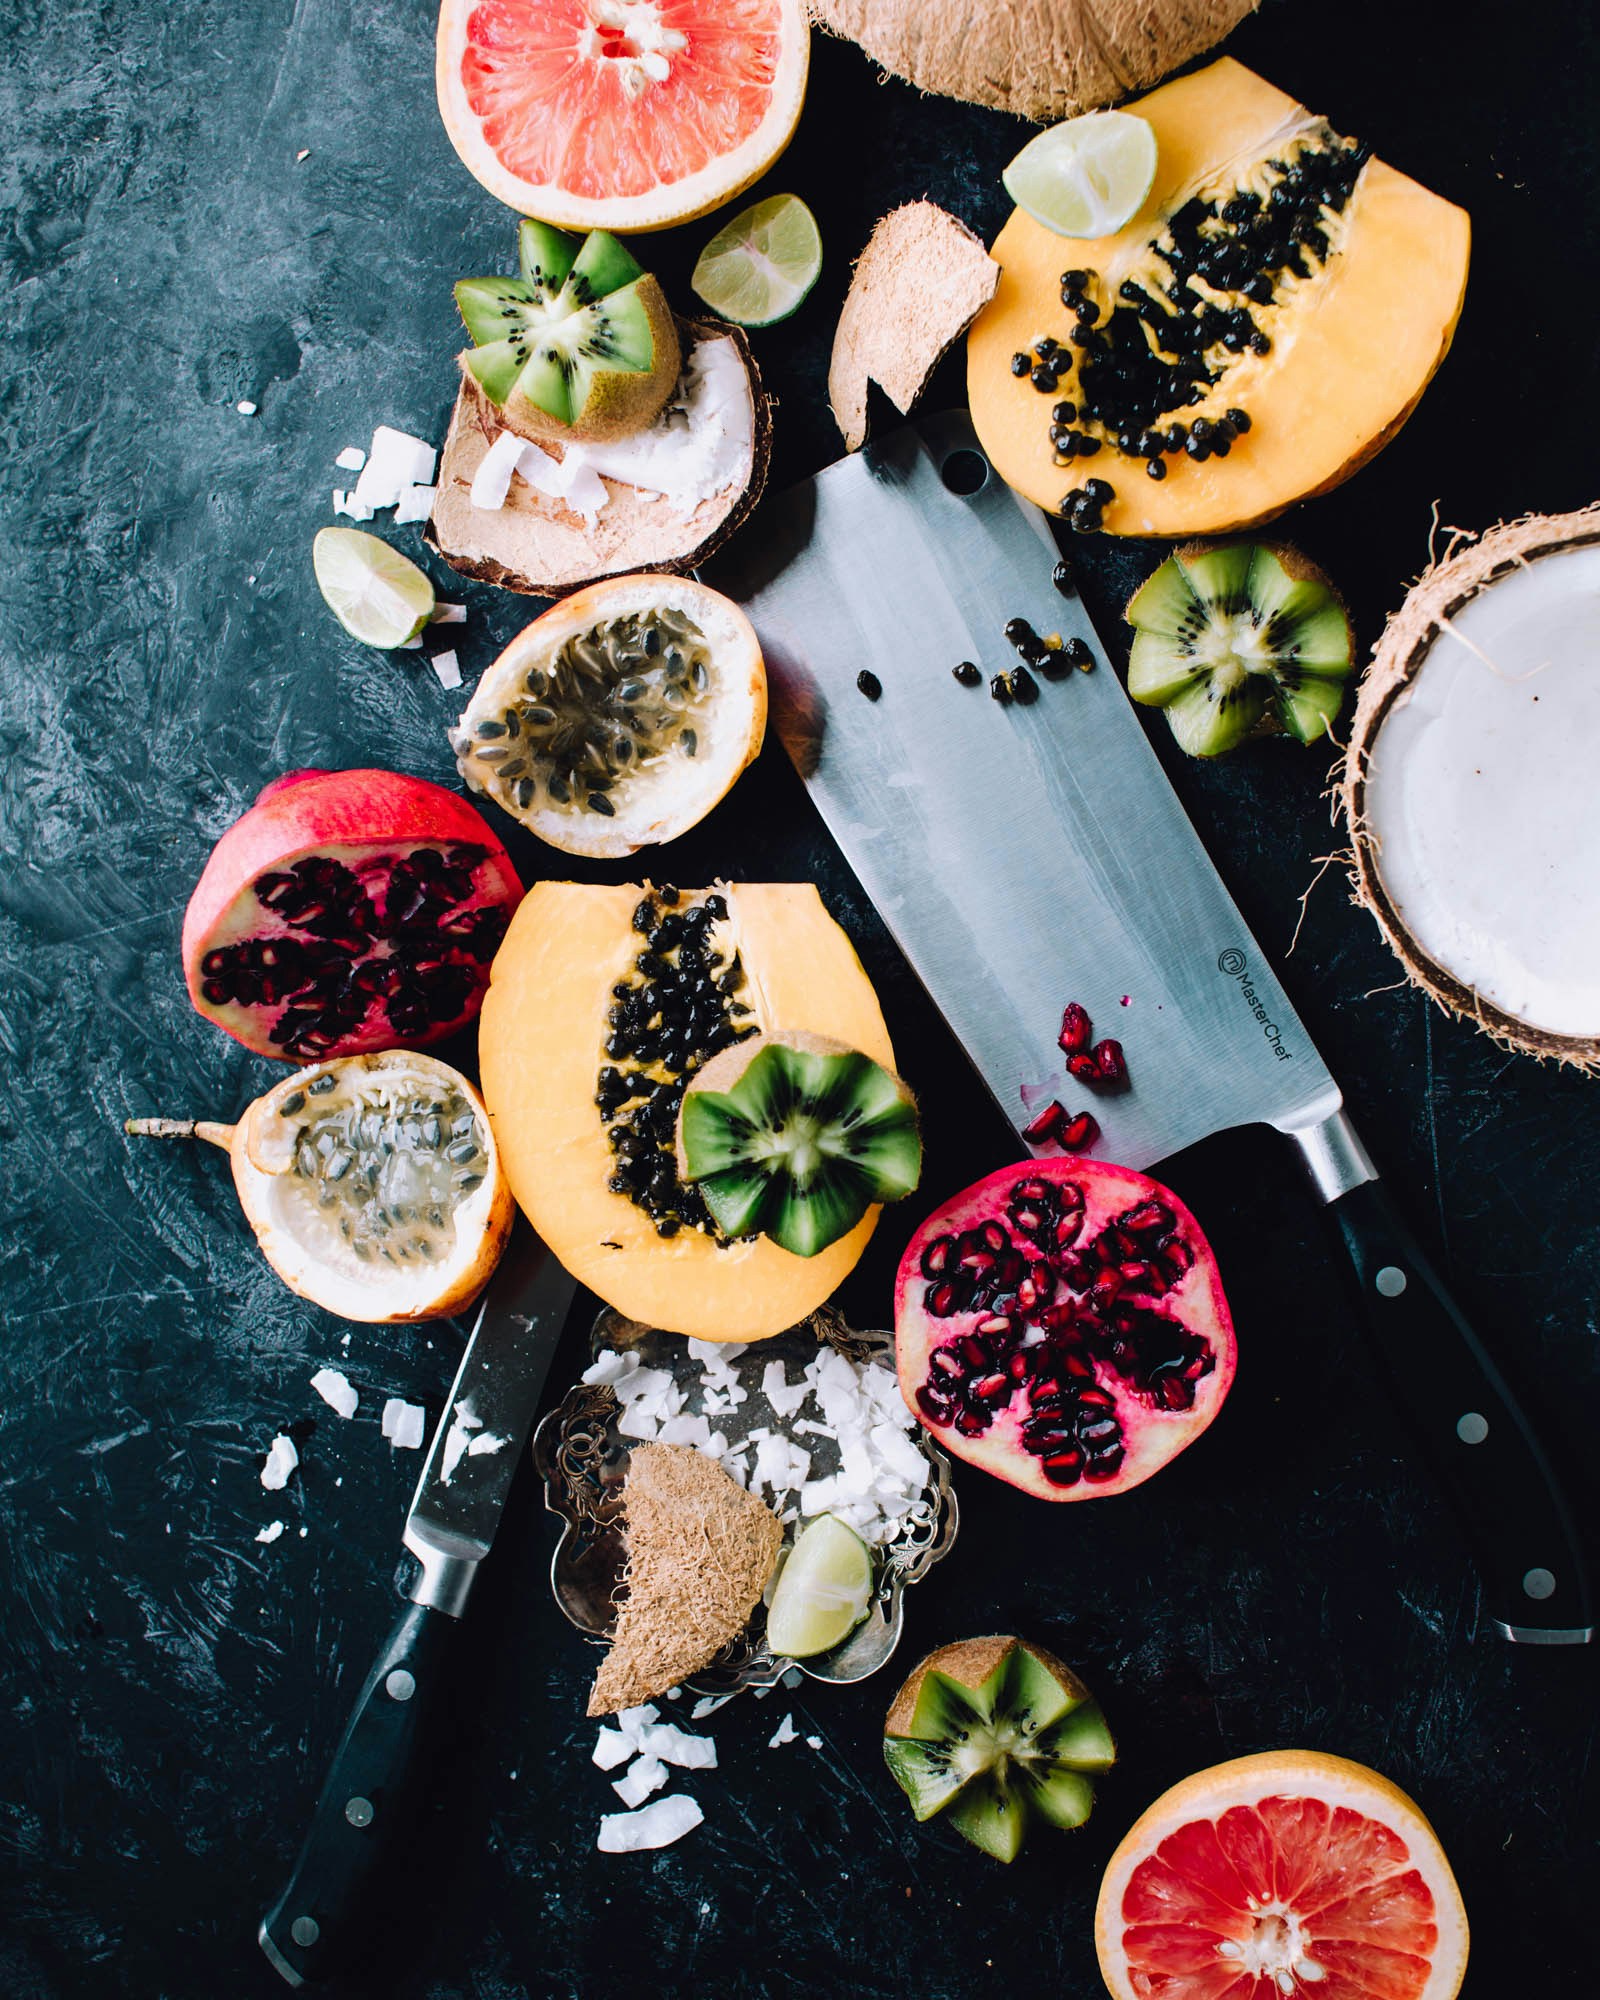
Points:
[377,1779]
[1027,855]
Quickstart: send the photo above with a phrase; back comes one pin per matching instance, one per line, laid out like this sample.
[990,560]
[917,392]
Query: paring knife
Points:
[376,1783]
[1025,856]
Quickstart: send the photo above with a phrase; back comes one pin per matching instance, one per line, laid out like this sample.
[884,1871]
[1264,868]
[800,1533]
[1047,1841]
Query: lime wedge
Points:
[824,1590]
[378,595]
[758,268]
[1088,177]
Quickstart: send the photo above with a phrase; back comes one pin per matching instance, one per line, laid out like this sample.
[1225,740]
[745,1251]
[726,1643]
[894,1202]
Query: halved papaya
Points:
[1264,325]
[602,1002]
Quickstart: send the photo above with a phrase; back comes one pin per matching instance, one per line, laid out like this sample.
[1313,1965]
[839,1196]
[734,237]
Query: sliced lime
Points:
[824,1590]
[378,595]
[758,267]
[1088,177]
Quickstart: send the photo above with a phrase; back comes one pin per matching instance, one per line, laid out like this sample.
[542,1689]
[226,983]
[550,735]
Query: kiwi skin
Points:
[970,1662]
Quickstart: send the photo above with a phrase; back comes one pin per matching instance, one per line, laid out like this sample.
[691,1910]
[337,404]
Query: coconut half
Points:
[1470,785]
[619,718]
[664,499]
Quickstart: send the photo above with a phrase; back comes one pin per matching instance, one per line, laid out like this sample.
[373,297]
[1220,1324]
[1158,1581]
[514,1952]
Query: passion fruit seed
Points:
[672,1013]
[383,1171]
[613,701]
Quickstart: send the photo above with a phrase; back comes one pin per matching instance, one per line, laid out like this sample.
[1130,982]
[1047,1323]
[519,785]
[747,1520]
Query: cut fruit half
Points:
[378,595]
[758,267]
[1286,1874]
[996,1733]
[1231,637]
[620,114]
[796,1137]
[824,1591]
[1088,177]
[372,1182]
[619,718]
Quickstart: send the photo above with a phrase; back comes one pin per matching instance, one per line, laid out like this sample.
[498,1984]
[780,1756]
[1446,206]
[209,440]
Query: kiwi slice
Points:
[995,1733]
[1236,637]
[795,1137]
[582,343]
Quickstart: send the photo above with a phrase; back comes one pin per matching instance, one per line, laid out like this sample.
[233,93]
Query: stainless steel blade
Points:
[1022,856]
[478,1443]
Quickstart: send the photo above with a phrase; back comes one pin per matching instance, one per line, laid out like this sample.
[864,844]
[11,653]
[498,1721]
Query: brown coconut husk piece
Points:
[700,1552]
[919,284]
[1442,590]
[544,548]
[1043,59]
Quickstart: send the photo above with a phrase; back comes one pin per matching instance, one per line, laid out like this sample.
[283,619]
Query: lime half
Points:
[760,266]
[378,595]
[824,1590]
[1088,177]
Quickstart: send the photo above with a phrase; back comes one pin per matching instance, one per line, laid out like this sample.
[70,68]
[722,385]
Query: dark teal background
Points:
[170,1689]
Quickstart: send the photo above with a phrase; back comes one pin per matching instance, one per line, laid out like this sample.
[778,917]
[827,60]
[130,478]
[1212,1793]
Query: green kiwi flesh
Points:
[1023,1745]
[807,1139]
[580,311]
[1237,637]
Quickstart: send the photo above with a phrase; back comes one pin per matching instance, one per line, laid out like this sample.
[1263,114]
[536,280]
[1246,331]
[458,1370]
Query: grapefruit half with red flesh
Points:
[620,114]
[1286,1876]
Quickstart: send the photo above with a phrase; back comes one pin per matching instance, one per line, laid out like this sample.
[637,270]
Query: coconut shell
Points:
[544,548]
[1043,59]
[700,1553]
[919,284]
[970,1662]
[1438,594]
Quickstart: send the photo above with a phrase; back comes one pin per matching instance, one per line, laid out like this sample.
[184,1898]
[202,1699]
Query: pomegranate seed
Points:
[1008,1269]
[936,1258]
[1064,1469]
[1102,1427]
[1149,1216]
[1029,1220]
[978,1265]
[1055,1318]
[1075,1029]
[1043,1128]
[946,1362]
[1097,1399]
[1037,1287]
[1138,1277]
[1104,1290]
[1081,1131]
[1068,1230]
[973,1352]
[1017,1366]
[1112,1064]
[933,1406]
[1033,1190]
[1080,1271]
[1085,1069]
[1105,1467]
[1069,1195]
[991,1388]
[994,1238]
[972,1423]
[996,1325]
[1176,1257]
[943,1300]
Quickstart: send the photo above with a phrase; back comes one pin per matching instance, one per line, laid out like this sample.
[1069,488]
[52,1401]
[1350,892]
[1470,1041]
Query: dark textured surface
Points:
[170,1689]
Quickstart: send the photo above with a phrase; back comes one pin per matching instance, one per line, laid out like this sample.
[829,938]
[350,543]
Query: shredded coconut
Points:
[336,1390]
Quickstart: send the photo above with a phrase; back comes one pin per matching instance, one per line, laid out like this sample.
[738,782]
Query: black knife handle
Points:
[1479,1445]
[318,1925]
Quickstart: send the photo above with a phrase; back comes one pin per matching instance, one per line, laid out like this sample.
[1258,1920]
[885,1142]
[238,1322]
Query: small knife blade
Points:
[377,1779]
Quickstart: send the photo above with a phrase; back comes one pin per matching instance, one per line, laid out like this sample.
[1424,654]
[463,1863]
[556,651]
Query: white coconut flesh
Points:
[374,1182]
[1479,805]
[618,723]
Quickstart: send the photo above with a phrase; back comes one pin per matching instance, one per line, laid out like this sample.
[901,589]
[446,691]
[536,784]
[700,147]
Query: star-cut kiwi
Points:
[581,346]
[995,1733]
[1235,637]
[795,1137]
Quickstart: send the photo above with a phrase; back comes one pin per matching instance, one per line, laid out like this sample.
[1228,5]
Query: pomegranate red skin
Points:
[306,813]
[1153,1437]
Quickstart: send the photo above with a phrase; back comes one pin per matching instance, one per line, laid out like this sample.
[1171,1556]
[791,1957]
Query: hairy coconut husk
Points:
[542,547]
[700,1553]
[1442,590]
[919,284]
[1043,59]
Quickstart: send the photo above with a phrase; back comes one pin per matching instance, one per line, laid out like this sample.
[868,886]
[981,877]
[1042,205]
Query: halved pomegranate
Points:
[1061,1323]
[348,911]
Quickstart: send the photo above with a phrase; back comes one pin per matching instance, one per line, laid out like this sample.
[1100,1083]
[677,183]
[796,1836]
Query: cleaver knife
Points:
[1026,855]
[376,1785]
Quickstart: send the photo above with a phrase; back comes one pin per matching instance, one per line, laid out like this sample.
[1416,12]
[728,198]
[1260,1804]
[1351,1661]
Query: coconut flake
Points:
[281,1461]
[492,480]
[678,1746]
[784,1733]
[403,1423]
[444,613]
[656,1825]
[483,1446]
[813,1742]
[611,1748]
[335,1389]
[351,459]
[447,668]
[270,1532]
[644,1776]
[347,504]
[458,1440]
[414,504]
[245,407]
[708,1704]
[395,461]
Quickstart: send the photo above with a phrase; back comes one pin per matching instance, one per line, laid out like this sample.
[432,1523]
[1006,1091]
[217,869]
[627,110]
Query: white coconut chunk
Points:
[643,1776]
[492,480]
[693,1431]
[447,668]
[270,1532]
[899,1455]
[351,459]
[643,1382]
[656,1825]
[677,1746]
[444,613]
[716,1353]
[486,1444]
[633,1722]
[611,1748]
[414,504]
[708,1704]
[784,1733]
[813,1742]
[396,460]
[775,1386]
[348,505]
[403,1423]
[336,1390]
[458,1440]
[638,1424]
[281,1461]
[609,1367]
[245,407]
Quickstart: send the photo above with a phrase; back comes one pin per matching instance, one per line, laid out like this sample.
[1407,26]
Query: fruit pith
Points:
[1062,1325]
[1277,272]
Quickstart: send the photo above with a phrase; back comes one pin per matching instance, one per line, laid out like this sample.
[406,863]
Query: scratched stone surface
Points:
[212,200]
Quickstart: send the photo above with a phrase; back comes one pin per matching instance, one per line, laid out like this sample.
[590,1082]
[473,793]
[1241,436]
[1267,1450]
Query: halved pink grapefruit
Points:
[1286,1876]
[620,114]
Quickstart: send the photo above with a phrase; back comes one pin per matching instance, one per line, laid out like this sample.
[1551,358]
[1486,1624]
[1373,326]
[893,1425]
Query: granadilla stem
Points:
[180,1128]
